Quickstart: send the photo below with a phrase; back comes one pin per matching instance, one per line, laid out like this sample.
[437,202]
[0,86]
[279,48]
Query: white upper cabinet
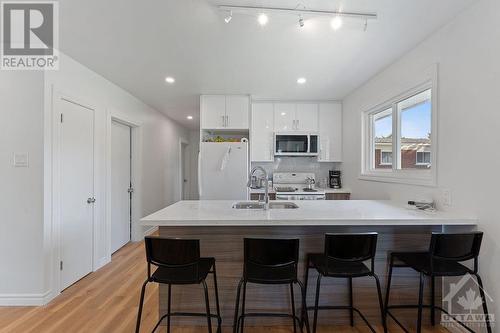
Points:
[237,112]
[262,132]
[224,112]
[296,117]
[212,111]
[330,132]
[306,117]
[284,117]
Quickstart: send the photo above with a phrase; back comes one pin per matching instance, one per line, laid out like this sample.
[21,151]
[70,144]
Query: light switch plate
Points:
[21,160]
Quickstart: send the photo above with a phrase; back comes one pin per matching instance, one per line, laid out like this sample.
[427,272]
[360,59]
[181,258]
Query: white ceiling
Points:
[136,44]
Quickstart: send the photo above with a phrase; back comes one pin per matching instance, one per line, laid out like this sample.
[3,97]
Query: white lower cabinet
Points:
[330,132]
[262,132]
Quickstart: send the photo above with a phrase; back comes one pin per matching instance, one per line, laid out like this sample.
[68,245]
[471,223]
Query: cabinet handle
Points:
[223,121]
[227,121]
[297,124]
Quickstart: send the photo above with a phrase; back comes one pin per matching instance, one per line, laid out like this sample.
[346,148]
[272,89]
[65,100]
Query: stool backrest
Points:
[171,252]
[353,247]
[456,246]
[270,253]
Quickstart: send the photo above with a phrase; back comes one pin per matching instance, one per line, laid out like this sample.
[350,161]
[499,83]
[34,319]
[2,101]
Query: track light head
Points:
[262,19]
[301,21]
[229,17]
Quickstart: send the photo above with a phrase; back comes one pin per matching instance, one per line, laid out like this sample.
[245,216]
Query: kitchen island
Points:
[221,230]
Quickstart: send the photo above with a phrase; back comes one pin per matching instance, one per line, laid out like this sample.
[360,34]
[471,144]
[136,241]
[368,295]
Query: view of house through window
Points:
[415,141]
[382,126]
[414,134]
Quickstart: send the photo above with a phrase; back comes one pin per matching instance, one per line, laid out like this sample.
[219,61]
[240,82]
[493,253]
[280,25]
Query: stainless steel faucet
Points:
[266,187]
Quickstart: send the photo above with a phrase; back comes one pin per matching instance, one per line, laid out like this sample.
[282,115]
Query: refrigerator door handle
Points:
[199,174]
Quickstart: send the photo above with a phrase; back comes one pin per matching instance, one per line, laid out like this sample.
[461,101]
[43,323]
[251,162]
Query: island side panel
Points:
[226,245]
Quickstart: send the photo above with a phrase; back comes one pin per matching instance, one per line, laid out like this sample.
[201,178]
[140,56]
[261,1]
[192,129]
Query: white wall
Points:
[26,246]
[21,195]
[468,52]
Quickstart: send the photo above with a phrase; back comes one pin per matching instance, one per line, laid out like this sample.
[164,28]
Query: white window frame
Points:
[396,174]
[416,157]
[381,157]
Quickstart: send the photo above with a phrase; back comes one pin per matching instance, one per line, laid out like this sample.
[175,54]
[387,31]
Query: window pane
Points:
[382,127]
[415,142]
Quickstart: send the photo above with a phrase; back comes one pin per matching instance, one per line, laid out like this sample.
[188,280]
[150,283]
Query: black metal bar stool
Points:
[446,252]
[344,257]
[179,263]
[269,261]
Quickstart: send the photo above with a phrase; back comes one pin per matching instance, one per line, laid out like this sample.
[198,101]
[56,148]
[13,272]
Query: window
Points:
[424,158]
[398,140]
[386,158]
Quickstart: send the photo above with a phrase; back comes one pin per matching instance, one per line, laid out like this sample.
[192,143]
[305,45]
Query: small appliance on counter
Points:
[335,180]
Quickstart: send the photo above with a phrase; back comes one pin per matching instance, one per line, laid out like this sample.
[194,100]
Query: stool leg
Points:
[305,318]
[351,311]
[168,307]
[207,304]
[433,300]
[388,288]
[292,297]
[380,302]
[217,301]
[304,287]
[316,302]
[141,303]
[485,306]
[420,300]
[236,308]
[243,306]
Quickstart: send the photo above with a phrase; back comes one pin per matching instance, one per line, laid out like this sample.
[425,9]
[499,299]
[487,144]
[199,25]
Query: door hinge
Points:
[60,265]
[61,117]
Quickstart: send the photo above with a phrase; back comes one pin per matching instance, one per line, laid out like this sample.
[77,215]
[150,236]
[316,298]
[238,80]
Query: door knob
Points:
[90,200]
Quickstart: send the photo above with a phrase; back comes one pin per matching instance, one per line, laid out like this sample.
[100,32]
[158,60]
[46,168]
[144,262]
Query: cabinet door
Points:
[237,112]
[284,117]
[213,111]
[307,117]
[262,132]
[330,132]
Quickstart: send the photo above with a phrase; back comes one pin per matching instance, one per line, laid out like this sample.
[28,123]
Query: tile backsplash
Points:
[298,164]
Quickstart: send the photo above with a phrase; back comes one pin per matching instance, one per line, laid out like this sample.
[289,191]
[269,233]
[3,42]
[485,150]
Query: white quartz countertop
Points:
[309,213]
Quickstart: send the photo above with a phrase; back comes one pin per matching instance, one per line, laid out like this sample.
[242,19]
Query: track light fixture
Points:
[300,10]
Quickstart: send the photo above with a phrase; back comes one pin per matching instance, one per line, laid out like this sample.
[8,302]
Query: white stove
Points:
[294,186]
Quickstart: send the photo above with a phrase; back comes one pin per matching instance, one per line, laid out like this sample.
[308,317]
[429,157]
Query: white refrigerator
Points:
[223,171]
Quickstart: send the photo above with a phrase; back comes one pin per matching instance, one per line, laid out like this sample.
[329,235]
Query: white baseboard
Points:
[25,299]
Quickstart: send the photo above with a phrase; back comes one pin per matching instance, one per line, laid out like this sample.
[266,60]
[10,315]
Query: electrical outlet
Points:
[446,198]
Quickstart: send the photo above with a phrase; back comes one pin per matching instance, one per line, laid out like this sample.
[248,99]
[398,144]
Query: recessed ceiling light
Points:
[262,19]
[169,79]
[301,80]
[336,23]
[190,117]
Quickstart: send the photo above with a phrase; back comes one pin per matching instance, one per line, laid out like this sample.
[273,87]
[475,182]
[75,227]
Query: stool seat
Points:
[271,275]
[337,268]
[421,262]
[184,275]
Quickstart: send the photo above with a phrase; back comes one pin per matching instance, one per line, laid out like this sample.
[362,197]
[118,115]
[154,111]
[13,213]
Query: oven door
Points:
[291,144]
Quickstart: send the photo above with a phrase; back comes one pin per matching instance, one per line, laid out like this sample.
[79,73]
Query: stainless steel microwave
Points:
[295,144]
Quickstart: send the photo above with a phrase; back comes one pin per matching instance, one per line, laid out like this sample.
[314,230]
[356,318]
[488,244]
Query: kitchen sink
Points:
[260,205]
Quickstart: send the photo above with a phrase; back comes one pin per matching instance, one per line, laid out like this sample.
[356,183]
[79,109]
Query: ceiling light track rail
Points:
[297,11]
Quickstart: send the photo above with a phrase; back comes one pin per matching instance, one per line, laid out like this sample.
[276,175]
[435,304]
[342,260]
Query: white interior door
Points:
[120,184]
[77,190]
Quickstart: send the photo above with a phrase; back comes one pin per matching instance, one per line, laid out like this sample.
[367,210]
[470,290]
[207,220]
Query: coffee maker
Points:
[335,179]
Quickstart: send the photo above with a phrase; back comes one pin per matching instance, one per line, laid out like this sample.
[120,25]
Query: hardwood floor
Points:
[107,300]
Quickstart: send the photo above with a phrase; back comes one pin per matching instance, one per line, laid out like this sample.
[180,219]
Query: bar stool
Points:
[446,252]
[179,263]
[344,257]
[269,261]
